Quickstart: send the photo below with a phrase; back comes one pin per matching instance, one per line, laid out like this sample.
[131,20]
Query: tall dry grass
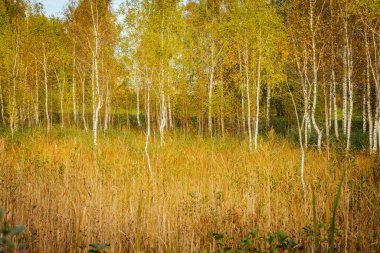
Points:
[69,194]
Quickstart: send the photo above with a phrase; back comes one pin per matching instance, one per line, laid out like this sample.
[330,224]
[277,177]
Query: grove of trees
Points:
[210,67]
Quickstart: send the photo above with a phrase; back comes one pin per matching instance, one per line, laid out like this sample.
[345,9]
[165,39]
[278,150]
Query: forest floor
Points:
[69,194]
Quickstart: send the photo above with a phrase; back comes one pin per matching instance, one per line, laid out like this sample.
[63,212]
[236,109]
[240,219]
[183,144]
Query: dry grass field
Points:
[70,195]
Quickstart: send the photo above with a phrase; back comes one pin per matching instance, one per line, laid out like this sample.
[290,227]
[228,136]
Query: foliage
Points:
[333,217]
[273,242]
[7,235]
[98,248]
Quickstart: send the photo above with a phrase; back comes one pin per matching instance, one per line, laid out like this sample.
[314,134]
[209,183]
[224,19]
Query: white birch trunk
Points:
[350,92]
[210,88]
[364,109]
[242,91]
[147,135]
[302,72]
[375,66]
[60,88]
[299,127]
[74,88]
[330,106]
[344,112]
[13,114]
[327,119]
[163,113]
[246,61]
[97,98]
[258,96]
[107,107]
[315,77]
[83,82]
[170,113]
[138,105]
[162,118]
[368,89]
[268,106]
[46,91]
[2,104]
[375,132]
[37,117]
[336,124]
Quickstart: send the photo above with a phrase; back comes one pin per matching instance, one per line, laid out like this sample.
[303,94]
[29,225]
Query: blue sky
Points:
[55,7]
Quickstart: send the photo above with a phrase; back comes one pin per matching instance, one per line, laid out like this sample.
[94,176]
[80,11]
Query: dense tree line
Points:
[213,67]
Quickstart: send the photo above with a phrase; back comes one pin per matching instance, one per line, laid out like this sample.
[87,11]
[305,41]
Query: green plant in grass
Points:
[7,235]
[273,242]
[316,231]
[315,226]
[333,216]
[279,241]
[98,248]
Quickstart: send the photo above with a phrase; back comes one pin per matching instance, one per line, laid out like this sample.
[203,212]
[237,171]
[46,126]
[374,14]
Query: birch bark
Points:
[258,87]
[74,88]
[211,87]
[246,62]
[96,98]
[46,90]
[368,89]
[315,76]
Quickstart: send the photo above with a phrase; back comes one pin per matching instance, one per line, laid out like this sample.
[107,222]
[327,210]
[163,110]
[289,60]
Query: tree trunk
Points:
[61,86]
[147,135]
[210,88]
[258,88]
[74,88]
[46,91]
[336,124]
[315,77]
[170,112]
[299,127]
[107,108]
[246,60]
[162,117]
[2,104]
[350,89]
[97,98]
[302,72]
[37,117]
[327,120]
[375,66]
[222,107]
[364,110]
[344,112]
[83,82]
[13,114]
[268,106]
[242,90]
[376,132]
[368,89]
[138,105]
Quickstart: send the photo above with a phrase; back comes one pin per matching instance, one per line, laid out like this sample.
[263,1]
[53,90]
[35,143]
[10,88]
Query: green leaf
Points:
[246,241]
[219,236]
[333,217]
[252,233]
[315,227]
[104,245]
[270,238]
[17,230]
[282,236]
